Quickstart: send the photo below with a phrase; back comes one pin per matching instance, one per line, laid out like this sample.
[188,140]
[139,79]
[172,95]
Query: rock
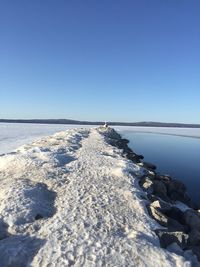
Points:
[159,189]
[176,220]
[128,151]
[167,238]
[152,174]
[152,197]
[175,214]
[148,165]
[175,248]
[147,184]
[161,205]
[177,186]
[175,226]
[163,177]
[112,142]
[120,144]
[109,132]
[132,156]
[194,238]
[175,190]
[38,216]
[125,141]
[182,197]
[140,156]
[192,219]
[158,215]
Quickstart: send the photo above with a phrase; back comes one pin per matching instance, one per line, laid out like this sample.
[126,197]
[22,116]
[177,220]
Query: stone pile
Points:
[180,232]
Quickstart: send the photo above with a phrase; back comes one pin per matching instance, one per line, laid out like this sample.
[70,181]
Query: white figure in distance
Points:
[105,125]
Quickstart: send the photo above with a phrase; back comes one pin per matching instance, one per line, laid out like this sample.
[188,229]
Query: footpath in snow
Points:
[71,199]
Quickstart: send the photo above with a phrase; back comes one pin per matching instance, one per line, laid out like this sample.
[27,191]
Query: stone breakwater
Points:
[167,202]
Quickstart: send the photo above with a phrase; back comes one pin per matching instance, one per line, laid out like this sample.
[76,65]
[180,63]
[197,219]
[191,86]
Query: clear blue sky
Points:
[120,60]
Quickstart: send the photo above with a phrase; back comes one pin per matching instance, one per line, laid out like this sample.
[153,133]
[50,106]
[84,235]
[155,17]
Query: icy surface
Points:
[187,132]
[72,200]
[13,135]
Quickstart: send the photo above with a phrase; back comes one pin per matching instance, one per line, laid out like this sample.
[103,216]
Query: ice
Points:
[13,135]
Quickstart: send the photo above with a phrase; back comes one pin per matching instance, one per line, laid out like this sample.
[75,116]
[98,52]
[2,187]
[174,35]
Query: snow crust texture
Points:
[71,199]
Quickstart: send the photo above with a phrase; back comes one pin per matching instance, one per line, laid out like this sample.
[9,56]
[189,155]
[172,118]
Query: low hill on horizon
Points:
[68,121]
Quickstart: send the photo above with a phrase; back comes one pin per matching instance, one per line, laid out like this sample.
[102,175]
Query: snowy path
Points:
[72,200]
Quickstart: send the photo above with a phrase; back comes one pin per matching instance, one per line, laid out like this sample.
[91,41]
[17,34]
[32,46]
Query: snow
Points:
[13,135]
[187,132]
[72,199]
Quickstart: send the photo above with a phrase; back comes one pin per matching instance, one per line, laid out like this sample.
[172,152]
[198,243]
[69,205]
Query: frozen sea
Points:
[175,151]
[13,135]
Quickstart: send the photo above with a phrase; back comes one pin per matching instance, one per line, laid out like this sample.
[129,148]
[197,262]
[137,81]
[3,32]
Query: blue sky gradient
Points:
[131,60]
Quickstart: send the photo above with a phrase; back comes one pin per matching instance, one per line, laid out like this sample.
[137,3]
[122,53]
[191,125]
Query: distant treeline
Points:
[66,121]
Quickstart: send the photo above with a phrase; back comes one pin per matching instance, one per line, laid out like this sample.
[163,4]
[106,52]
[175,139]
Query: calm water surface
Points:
[174,155]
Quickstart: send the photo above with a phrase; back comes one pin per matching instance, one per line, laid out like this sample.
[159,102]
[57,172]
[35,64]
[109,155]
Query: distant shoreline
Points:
[67,121]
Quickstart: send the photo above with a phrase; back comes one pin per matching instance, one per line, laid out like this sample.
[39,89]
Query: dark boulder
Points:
[177,186]
[140,156]
[159,189]
[38,216]
[175,214]
[152,197]
[128,151]
[175,226]
[112,142]
[192,219]
[109,133]
[168,237]
[125,141]
[194,238]
[132,156]
[149,166]
[163,177]
[176,190]
[120,144]
[175,220]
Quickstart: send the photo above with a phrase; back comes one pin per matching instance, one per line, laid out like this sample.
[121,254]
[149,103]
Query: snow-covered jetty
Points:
[75,199]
